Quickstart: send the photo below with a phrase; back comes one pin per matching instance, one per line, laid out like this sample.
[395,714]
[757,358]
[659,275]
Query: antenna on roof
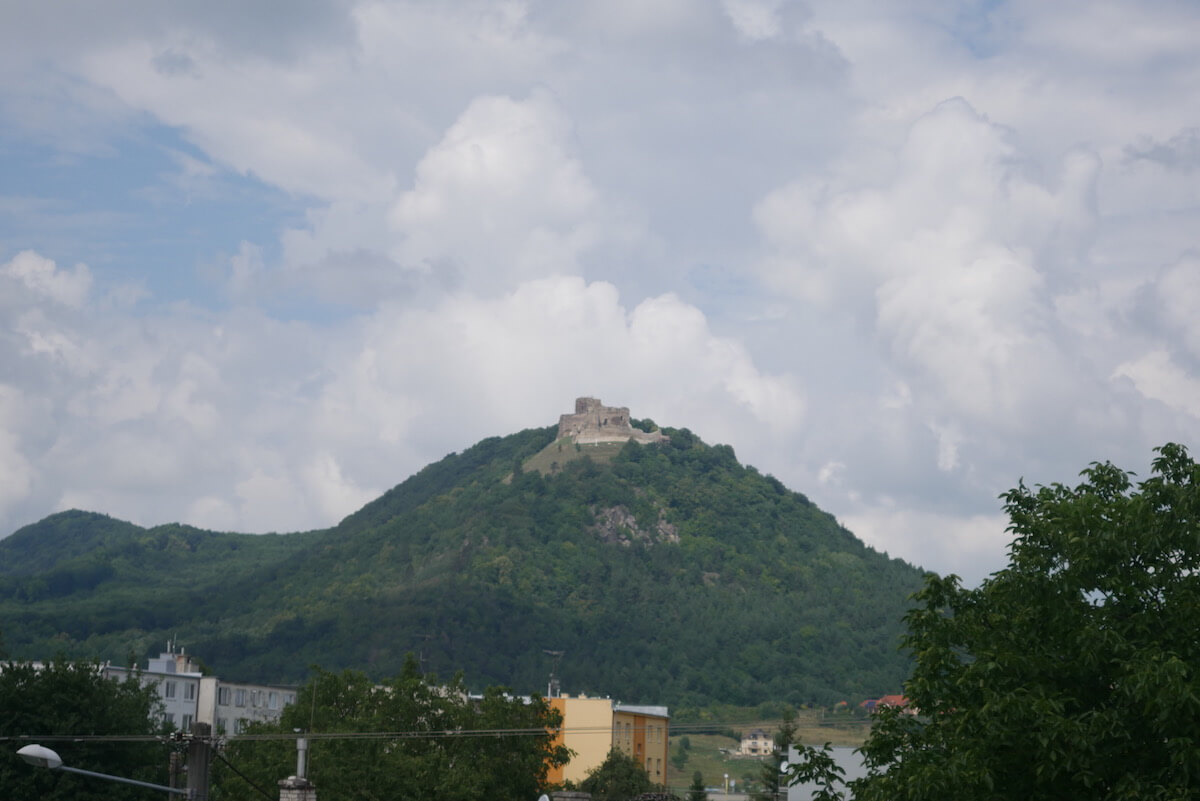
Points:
[554,690]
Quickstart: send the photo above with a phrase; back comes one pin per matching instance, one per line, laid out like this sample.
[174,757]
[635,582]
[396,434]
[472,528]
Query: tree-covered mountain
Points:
[667,573]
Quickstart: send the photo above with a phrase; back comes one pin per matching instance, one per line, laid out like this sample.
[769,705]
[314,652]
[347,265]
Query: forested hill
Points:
[668,573]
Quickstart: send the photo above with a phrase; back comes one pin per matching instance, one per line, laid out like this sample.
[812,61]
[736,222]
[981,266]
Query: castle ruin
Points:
[594,422]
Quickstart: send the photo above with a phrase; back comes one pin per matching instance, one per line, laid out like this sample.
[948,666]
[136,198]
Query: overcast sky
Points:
[260,262]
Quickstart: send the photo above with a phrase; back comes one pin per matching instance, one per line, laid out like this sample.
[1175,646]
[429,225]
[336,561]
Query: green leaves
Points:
[1073,672]
[72,698]
[405,738]
[618,778]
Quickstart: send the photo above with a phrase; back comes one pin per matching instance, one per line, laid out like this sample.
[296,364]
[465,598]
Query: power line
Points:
[246,778]
[687,728]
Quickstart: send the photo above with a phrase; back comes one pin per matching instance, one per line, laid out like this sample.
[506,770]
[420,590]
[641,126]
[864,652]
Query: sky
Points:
[260,262]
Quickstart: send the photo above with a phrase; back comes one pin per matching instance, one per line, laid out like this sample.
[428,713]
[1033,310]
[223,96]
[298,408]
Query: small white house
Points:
[756,742]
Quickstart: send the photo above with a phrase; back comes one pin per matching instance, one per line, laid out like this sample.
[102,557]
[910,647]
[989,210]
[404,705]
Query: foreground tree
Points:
[73,699]
[772,779]
[696,790]
[618,778]
[413,739]
[1073,673]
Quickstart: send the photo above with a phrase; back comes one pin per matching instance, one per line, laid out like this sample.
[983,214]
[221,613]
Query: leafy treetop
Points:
[73,698]
[1072,673]
[618,778]
[415,739]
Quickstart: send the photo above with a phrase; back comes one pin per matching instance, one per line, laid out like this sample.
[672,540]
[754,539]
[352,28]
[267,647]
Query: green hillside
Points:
[668,573]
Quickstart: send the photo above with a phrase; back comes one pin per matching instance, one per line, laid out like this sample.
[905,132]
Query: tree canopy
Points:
[771,774]
[415,739]
[696,790]
[72,698]
[618,778]
[1072,673]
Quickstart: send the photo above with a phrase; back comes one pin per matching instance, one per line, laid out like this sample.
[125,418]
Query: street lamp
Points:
[43,757]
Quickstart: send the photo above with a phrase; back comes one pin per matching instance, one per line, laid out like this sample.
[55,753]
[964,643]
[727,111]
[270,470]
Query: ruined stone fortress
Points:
[594,422]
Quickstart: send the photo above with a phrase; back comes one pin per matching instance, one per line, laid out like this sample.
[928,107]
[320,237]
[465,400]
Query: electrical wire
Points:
[247,779]
[685,728]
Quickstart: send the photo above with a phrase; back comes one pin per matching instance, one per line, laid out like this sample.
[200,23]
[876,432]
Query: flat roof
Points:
[656,711]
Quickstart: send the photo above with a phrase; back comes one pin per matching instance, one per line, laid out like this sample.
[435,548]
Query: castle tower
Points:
[594,422]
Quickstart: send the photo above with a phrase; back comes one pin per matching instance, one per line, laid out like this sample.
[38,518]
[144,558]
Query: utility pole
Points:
[174,768]
[199,756]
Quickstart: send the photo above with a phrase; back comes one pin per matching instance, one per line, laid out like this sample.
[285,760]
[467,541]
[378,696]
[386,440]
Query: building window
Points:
[289,699]
[273,700]
[169,718]
[224,695]
[239,725]
[187,723]
[239,698]
[169,690]
[222,725]
[189,692]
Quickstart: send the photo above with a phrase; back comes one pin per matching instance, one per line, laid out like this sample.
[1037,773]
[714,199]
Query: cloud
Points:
[943,543]
[241,422]
[529,352]
[1157,376]
[42,277]
[246,271]
[1178,293]
[1181,151]
[754,19]
[955,250]
[17,474]
[500,197]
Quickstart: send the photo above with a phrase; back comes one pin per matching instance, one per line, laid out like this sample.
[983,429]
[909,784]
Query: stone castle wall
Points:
[594,422]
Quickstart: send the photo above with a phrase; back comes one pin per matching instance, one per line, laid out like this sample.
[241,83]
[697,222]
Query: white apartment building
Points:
[190,697]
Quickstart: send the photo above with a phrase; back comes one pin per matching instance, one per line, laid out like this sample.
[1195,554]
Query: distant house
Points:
[756,742]
[898,701]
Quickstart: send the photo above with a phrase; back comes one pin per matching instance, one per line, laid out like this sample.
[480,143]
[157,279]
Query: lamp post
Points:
[43,757]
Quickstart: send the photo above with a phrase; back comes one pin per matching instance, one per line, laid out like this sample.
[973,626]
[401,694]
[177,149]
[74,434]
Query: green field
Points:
[557,454]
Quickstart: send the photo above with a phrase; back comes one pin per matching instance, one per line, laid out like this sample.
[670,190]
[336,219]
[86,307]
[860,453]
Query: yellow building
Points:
[641,732]
[593,726]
